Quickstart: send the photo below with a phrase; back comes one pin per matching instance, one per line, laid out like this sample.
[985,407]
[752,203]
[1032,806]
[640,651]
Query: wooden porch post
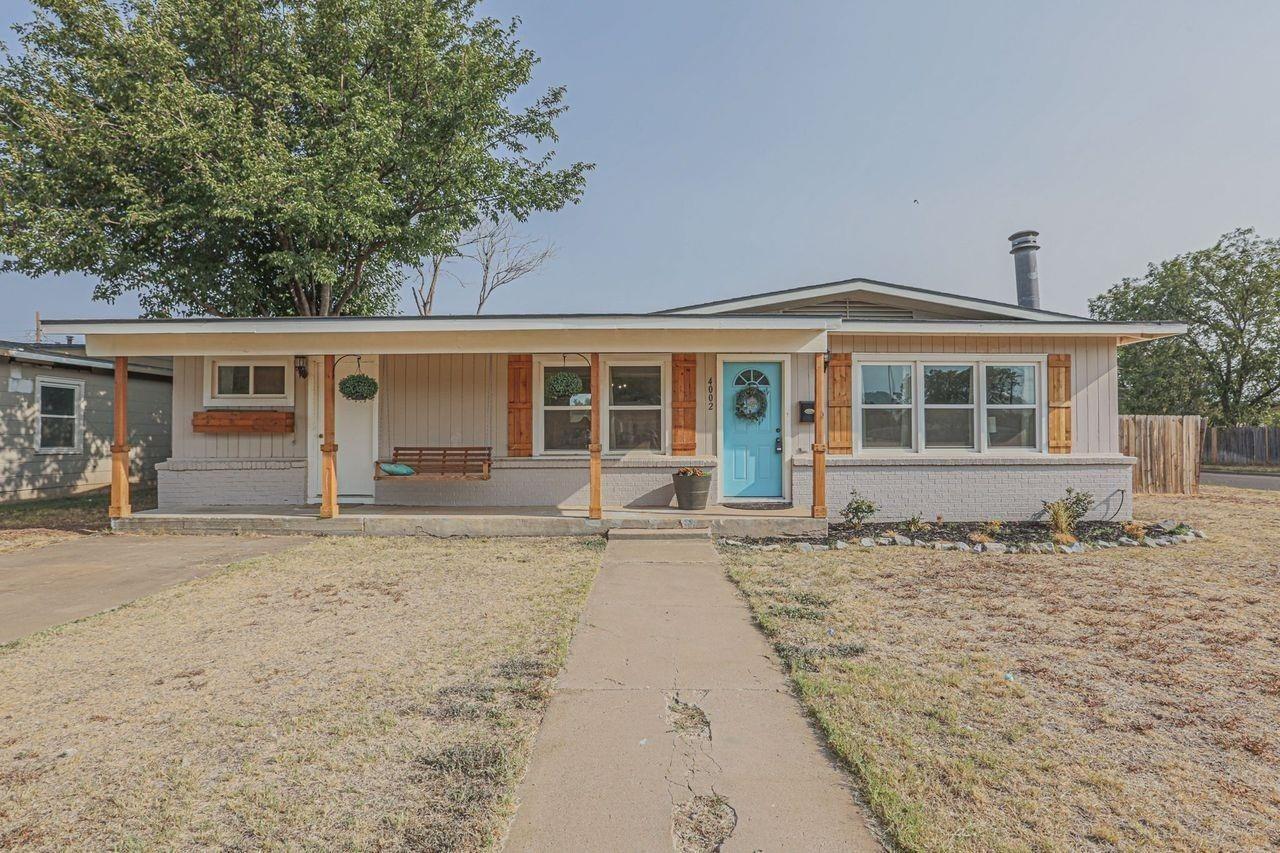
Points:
[120,446]
[594,510]
[328,449]
[819,435]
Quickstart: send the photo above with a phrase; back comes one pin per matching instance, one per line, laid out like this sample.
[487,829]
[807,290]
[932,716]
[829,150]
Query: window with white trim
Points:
[632,406]
[1012,411]
[952,404]
[948,406]
[60,427]
[635,407]
[887,420]
[566,408]
[246,382]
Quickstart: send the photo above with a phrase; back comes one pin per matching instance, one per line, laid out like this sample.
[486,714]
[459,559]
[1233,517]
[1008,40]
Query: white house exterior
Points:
[927,403]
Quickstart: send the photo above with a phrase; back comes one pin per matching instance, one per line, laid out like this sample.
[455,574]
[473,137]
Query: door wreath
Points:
[751,403]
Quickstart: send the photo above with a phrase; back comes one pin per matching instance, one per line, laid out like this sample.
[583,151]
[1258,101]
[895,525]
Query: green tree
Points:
[1227,366]
[245,157]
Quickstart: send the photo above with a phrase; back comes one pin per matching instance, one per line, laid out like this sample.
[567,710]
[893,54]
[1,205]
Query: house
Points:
[56,419]
[925,402]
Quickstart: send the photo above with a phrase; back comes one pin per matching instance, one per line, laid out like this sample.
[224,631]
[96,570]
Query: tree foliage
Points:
[1227,366]
[245,157]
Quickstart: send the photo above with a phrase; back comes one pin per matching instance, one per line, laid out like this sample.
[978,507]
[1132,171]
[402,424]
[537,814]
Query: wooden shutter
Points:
[520,405]
[840,403]
[684,404]
[1060,403]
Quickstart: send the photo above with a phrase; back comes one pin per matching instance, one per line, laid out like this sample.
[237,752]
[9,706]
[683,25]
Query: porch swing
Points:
[472,462]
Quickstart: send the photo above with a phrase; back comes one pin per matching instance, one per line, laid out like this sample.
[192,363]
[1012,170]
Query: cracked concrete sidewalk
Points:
[612,761]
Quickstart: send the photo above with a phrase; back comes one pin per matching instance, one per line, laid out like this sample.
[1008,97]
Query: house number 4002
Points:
[711,394]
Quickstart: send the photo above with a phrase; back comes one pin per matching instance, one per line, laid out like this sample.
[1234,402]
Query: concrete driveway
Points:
[1270,482]
[46,586]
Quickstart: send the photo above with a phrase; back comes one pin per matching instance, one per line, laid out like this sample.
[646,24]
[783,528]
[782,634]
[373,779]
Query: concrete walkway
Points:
[614,760]
[49,585]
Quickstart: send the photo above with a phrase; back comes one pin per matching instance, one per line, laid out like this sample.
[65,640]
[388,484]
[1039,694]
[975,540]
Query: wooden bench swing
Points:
[438,463]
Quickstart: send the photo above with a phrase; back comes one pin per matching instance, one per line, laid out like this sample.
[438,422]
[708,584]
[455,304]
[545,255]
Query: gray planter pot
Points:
[691,492]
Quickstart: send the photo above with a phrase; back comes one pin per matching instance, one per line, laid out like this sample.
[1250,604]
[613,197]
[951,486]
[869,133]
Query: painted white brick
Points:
[231,482]
[1011,491]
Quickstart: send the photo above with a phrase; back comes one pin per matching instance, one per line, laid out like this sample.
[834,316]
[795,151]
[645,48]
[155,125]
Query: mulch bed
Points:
[1018,533]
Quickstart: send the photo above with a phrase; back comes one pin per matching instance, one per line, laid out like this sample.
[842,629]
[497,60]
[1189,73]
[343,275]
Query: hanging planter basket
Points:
[750,404]
[358,387]
[564,383]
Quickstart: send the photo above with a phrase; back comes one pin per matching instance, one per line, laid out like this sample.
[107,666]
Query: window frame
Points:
[663,406]
[975,395]
[76,385]
[213,398]
[979,362]
[860,426]
[1038,407]
[542,362]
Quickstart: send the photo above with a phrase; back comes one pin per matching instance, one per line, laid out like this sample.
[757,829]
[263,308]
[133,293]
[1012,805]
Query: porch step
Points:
[652,534]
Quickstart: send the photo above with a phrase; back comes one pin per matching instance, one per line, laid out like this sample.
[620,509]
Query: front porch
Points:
[384,520]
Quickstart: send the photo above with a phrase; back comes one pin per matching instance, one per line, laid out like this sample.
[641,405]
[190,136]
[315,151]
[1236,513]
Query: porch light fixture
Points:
[300,366]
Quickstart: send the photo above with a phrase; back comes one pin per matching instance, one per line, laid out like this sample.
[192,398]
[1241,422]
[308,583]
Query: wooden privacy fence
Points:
[1241,446]
[1167,448]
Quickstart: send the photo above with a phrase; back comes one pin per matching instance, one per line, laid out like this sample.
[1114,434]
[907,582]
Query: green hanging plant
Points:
[358,387]
[750,404]
[564,383]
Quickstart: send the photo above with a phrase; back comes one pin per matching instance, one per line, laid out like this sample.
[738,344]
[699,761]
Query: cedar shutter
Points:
[840,403]
[1060,403]
[520,405]
[684,404]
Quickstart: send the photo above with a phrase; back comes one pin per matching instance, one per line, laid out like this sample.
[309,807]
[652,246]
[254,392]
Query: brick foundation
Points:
[231,482]
[970,489]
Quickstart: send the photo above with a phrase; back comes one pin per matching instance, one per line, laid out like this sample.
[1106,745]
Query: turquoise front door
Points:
[752,440]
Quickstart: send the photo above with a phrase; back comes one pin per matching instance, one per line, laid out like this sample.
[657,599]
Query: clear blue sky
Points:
[747,146]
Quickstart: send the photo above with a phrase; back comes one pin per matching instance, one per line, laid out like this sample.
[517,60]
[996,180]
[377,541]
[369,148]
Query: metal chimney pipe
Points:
[1024,267]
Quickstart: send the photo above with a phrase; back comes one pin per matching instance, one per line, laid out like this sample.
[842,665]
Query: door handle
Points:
[777,444]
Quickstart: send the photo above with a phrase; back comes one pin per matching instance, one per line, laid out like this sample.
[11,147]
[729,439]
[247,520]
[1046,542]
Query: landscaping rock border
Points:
[1164,537]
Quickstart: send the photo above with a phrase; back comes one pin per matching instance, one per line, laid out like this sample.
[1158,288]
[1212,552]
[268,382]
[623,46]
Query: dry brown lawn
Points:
[1120,699]
[346,694]
[32,523]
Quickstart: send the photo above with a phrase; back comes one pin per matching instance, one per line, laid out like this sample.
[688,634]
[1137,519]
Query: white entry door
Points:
[355,430]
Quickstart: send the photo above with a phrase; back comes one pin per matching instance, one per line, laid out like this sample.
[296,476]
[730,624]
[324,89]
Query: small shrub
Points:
[858,509]
[1063,539]
[916,524]
[692,472]
[978,538]
[1065,513]
[993,527]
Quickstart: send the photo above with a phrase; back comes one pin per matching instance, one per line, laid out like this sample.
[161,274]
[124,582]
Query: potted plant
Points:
[358,387]
[693,485]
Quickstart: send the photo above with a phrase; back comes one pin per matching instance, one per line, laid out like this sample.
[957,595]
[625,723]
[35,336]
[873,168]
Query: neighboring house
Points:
[932,403]
[56,419]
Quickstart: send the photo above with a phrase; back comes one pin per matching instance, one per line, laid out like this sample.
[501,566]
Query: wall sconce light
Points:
[300,365]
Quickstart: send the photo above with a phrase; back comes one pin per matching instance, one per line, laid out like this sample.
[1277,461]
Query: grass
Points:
[349,693]
[1118,699]
[27,524]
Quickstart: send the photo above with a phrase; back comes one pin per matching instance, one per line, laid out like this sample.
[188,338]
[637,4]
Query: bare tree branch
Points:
[503,256]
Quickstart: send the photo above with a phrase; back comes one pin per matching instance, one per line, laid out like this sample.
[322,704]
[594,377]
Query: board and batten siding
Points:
[1095,412]
[461,399]
[188,398]
[443,400]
